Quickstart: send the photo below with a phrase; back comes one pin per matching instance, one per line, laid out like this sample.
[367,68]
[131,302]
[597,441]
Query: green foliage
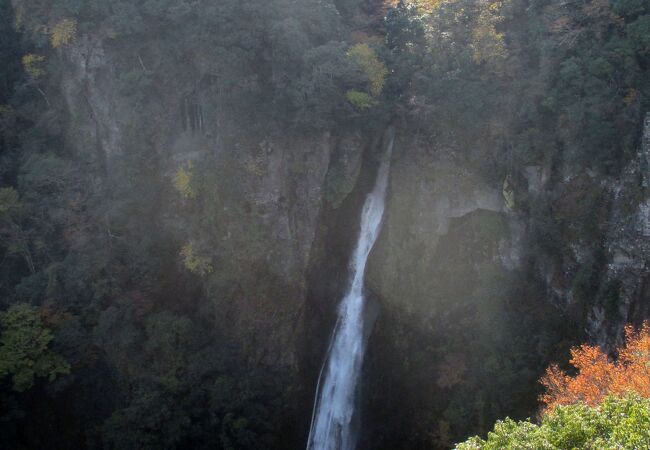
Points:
[360,100]
[639,32]
[168,337]
[405,29]
[617,423]
[24,348]
[130,427]
[318,95]
[372,67]
[630,8]
[488,44]
[10,51]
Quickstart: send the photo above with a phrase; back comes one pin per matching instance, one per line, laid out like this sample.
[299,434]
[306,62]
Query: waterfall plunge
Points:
[331,426]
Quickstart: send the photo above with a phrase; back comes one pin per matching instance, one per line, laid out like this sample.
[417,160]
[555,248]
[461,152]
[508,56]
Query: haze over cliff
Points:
[181,187]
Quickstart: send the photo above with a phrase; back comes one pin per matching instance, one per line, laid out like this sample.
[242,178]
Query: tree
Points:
[599,377]
[618,423]
[24,352]
[63,32]
[360,100]
[371,66]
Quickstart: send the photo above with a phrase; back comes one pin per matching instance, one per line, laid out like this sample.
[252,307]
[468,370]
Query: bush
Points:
[620,422]
[24,348]
[360,100]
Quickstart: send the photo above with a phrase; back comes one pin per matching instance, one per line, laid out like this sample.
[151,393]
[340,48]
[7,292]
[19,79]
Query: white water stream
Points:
[332,420]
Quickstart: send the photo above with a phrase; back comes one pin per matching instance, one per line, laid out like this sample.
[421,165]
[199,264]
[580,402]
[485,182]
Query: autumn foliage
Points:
[598,376]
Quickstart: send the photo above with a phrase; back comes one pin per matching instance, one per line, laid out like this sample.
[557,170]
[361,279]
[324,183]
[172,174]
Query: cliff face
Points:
[221,180]
[455,250]
[265,190]
[463,282]
[431,198]
[623,294]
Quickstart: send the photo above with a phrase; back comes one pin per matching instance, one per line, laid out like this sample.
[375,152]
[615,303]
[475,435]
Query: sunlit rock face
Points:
[457,266]
[623,296]
[442,271]
[438,210]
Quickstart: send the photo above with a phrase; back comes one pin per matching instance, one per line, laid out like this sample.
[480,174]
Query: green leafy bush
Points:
[616,424]
[24,352]
[360,100]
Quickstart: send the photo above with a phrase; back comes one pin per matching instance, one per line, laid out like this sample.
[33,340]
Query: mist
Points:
[324,224]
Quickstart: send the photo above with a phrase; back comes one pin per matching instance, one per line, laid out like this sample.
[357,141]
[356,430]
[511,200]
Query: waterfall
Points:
[332,418]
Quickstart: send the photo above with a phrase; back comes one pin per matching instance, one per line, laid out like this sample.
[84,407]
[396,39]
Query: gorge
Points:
[197,211]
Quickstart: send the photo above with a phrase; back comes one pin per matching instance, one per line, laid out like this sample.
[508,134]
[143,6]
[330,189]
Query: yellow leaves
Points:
[474,24]
[371,66]
[200,265]
[599,377]
[63,32]
[488,44]
[33,65]
[631,96]
[426,6]
[183,181]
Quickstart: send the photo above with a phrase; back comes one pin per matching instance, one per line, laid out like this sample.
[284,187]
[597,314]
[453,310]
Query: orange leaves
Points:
[589,386]
[598,376]
[635,359]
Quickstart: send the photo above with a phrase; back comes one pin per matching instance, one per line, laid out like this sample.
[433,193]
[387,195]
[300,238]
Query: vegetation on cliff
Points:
[605,404]
[617,423]
[139,274]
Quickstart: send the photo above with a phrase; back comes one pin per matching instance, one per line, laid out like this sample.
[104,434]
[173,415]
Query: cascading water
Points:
[332,419]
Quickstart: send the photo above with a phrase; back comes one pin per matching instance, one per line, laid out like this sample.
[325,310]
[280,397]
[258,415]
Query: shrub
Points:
[620,422]
[24,348]
[360,100]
